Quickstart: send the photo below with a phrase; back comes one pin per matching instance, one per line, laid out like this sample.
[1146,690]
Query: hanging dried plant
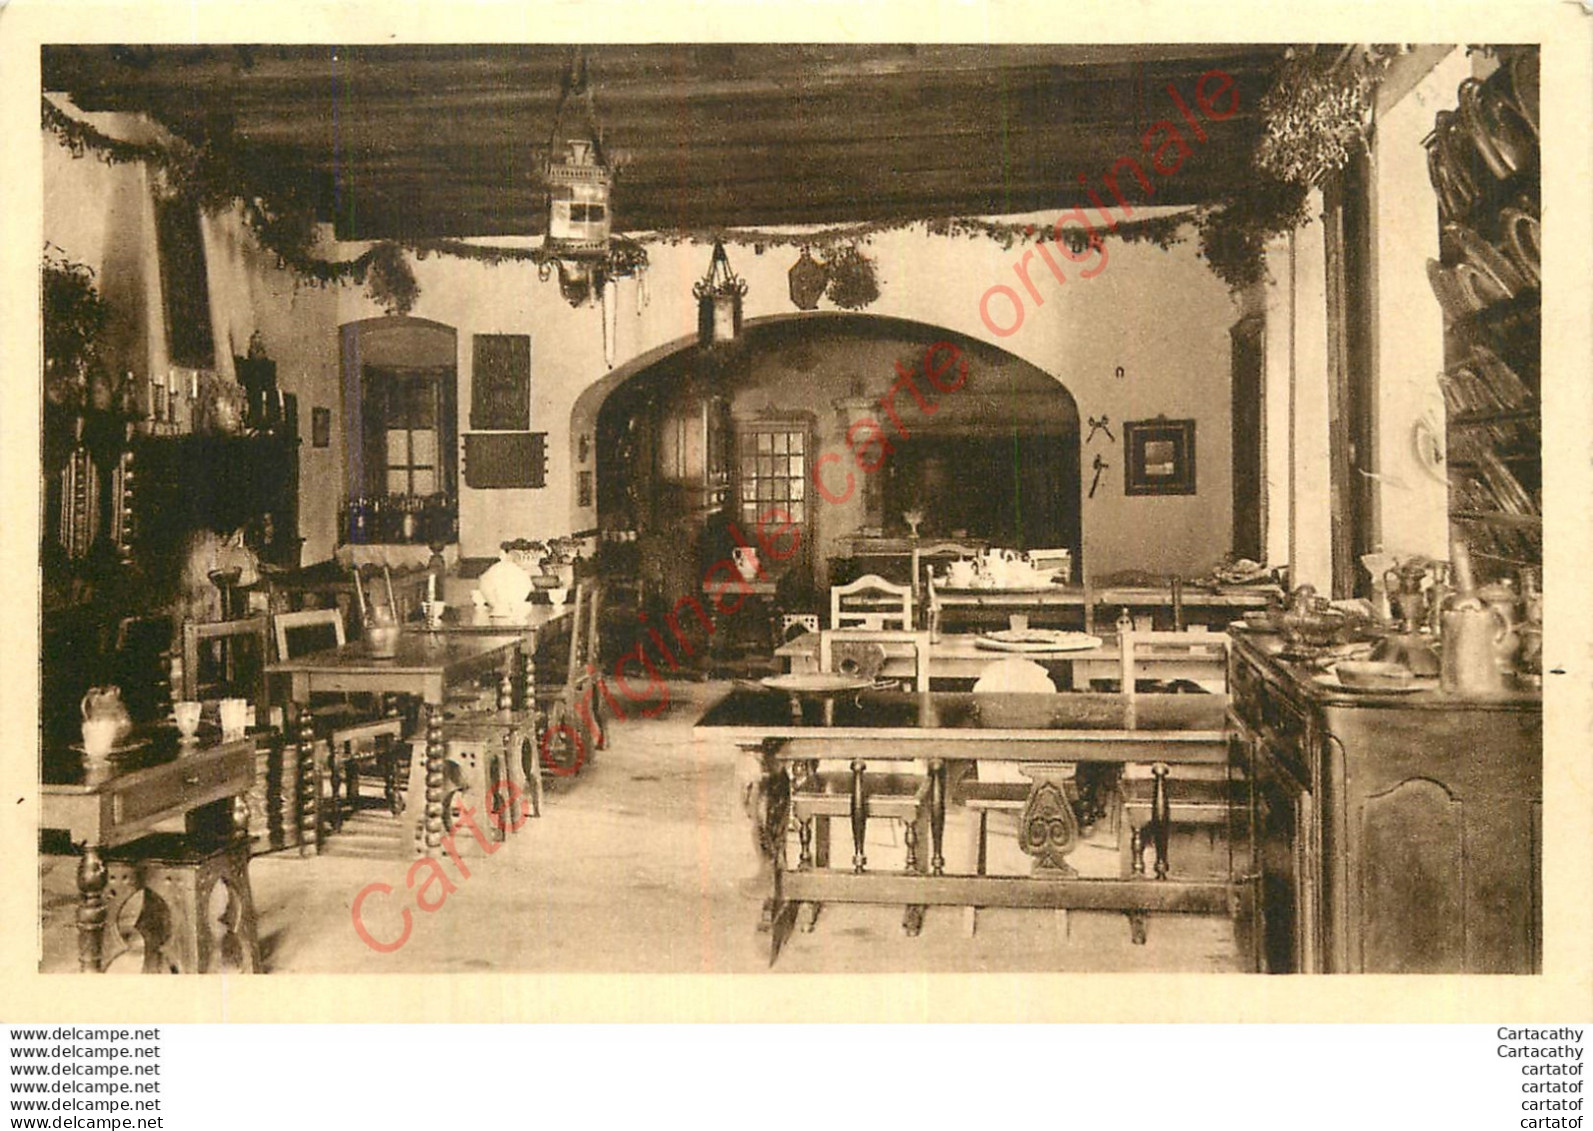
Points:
[1315,119]
[1233,238]
[389,280]
[853,281]
[74,317]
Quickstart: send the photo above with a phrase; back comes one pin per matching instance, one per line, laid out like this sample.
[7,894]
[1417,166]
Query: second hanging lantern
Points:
[719,294]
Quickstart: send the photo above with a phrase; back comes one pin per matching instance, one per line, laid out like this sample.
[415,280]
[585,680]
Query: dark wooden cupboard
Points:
[1394,835]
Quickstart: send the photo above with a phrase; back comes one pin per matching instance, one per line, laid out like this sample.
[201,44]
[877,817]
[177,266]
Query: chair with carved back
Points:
[873,603]
[825,790]
[573,706]
[1155,799]
[361,739]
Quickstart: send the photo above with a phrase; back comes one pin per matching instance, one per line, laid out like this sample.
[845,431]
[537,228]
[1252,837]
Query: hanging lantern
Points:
[719,294]
[808,279]
[579,179]
[579,183]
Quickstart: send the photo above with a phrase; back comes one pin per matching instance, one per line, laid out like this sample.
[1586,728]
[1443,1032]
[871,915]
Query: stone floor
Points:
[644,863]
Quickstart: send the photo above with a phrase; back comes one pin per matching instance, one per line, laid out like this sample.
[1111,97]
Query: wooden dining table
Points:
[1209,604]
[541,623]
[948,734]
[424,665]
[966,656]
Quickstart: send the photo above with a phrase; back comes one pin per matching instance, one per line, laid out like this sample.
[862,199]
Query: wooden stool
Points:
[178,877]
[483,750]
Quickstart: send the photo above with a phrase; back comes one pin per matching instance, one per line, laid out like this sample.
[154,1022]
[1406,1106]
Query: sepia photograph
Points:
[637,508]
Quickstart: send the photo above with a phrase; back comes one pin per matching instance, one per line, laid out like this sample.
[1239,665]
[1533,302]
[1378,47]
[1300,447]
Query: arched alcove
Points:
[399,420]
[680,437]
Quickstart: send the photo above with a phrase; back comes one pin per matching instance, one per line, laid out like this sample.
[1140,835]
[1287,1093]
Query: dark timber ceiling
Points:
[444,140]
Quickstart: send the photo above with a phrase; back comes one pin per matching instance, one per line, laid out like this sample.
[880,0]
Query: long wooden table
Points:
[949,733]
[1219,604]
[116,802]
[960,656]
[425,665]
[541,624]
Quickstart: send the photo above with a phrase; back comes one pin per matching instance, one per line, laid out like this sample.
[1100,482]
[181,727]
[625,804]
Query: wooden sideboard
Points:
[1390,834]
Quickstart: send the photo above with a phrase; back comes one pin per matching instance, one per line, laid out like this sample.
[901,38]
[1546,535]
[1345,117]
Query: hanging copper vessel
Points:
[808,278]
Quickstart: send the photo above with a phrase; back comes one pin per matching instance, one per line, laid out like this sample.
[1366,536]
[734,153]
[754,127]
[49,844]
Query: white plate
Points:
[1037,640]
[816,683]
[1332,683]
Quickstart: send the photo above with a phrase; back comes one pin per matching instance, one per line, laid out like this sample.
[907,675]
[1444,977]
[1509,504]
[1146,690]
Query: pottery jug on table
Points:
[746,559]
[105,720]
[1472,636]
[505,586]
[1501,598]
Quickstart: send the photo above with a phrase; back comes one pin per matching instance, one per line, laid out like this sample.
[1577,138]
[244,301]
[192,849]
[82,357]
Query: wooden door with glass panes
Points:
[772,476]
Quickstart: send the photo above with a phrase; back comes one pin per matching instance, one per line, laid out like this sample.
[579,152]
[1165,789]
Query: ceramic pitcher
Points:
[746,558]
[105,720]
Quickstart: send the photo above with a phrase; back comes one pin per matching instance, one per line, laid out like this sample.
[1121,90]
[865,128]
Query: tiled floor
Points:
[645,864]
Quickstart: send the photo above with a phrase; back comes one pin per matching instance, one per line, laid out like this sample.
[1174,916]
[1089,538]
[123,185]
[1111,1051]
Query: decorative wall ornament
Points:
[500,382]
[719,294]
[808,278]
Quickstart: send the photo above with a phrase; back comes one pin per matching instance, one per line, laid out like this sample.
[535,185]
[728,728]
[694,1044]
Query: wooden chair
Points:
[984,795]
[871,602]
[1159,797]
[359,742]
[826,790]
[573,709]
[224,659]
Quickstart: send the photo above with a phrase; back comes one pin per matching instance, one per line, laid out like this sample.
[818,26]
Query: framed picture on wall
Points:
[500,383]
[320,427]
[1159,457]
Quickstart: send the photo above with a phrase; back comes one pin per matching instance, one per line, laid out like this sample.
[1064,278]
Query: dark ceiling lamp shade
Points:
[719,294]
[579,179]
[808,279]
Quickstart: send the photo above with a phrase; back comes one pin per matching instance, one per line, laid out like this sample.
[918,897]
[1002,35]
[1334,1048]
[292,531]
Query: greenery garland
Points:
[213,178]
[1313,117]
[282,219]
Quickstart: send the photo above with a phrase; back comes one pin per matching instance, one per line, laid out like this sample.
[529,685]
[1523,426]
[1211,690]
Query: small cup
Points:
[234,718]
[557,597]
[186,713]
